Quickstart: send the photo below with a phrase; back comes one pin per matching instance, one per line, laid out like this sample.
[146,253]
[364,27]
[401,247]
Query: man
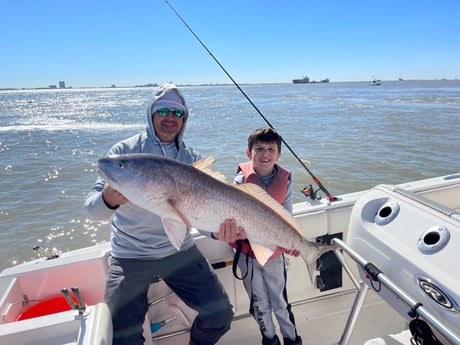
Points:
[141,250]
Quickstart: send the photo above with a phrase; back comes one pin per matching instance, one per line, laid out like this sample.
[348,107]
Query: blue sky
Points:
[100,43]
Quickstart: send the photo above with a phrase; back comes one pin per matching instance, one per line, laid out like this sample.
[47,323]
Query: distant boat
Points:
[375,82]
[303,80]
[306,80]
[321,81]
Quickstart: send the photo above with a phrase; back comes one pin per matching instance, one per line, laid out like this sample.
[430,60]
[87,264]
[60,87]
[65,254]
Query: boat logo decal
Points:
[437,294]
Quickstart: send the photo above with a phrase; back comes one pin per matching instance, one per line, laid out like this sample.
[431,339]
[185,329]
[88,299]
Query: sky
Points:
[98,43]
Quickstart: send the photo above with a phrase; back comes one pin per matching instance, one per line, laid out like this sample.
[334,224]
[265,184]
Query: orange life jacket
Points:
[276,188]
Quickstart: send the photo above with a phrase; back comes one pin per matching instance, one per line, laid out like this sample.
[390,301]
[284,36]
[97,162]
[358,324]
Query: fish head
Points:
[142,178]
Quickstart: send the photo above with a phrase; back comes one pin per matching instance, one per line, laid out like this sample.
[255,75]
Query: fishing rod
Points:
[307,191]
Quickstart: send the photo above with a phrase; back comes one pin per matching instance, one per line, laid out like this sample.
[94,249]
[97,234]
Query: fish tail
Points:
[310,253]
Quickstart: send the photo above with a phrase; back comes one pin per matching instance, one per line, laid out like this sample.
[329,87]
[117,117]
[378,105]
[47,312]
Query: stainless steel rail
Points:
[388,283]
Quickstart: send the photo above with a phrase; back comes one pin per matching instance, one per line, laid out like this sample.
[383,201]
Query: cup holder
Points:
[387,213]
[433,240]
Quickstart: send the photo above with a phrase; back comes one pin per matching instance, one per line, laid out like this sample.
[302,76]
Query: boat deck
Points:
[319,322]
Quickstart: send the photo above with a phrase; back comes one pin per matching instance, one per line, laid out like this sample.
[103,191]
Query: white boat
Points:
[406,236]
[375,82]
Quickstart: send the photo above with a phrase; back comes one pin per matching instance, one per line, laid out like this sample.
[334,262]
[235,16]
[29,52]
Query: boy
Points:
[266,285]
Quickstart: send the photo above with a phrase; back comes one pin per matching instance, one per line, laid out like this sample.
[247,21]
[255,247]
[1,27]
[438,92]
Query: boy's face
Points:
[263,156]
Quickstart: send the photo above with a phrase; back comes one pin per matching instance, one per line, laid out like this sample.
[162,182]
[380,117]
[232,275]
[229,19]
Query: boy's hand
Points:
[229,232]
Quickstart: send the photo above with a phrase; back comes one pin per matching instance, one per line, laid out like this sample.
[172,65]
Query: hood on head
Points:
[166,96]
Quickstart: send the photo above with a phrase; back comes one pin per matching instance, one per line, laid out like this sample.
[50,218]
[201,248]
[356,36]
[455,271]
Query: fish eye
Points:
[120,165]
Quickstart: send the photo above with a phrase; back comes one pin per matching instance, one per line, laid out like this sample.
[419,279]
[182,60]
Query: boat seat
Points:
[402,338]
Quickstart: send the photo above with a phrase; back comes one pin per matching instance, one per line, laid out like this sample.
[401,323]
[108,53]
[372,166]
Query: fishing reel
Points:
[309,192]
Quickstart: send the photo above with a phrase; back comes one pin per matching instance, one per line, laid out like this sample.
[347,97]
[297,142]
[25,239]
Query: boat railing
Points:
[415,309]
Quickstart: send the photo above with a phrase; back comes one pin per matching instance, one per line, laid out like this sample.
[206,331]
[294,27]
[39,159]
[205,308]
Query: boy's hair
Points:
[265,135]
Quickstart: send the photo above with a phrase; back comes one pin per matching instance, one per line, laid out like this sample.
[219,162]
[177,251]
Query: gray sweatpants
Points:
[266,288]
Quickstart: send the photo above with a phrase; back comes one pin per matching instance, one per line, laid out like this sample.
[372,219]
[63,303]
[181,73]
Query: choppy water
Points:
[352,136]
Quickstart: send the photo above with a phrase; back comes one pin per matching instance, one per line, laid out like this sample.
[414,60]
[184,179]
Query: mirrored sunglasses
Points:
[178,113]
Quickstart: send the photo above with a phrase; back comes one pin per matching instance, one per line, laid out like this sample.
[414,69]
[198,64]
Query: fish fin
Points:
[261,195]
[168,210]
[261,253]
[175,224]
[176,231]
[205,165]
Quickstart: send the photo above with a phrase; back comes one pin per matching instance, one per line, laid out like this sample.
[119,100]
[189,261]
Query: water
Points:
[352,136]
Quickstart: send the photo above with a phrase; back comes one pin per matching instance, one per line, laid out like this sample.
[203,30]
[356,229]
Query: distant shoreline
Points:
[206,85]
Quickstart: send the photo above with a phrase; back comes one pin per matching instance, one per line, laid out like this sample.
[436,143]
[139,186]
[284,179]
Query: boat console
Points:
[408,247]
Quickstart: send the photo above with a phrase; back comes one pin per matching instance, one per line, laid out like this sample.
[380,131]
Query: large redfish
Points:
[186,196]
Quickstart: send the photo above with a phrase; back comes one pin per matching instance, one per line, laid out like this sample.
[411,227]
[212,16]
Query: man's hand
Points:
[112,197]
[229,232]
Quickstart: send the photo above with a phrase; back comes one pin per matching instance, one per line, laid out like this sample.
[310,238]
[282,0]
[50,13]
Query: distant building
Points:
[62,84]
[52,86]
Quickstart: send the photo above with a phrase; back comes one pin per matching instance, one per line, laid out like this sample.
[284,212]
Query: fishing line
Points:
[315,179]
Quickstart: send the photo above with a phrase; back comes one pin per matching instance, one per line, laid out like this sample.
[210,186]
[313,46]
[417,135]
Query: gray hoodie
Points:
[137,233]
